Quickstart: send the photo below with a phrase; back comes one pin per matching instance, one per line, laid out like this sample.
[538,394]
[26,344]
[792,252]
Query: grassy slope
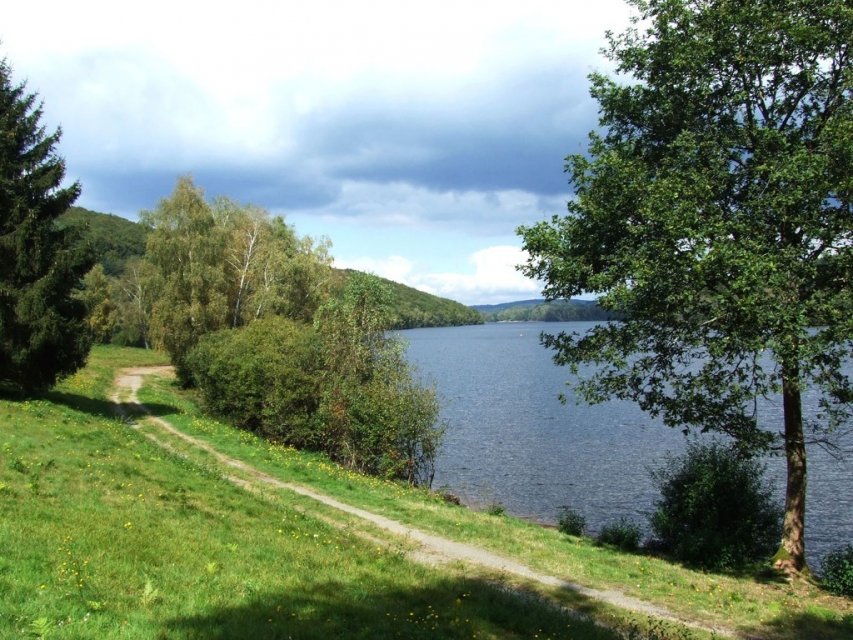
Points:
[104,535]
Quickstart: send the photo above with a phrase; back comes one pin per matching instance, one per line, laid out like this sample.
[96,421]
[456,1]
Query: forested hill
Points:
[543,311]
[115,239]
[413,309]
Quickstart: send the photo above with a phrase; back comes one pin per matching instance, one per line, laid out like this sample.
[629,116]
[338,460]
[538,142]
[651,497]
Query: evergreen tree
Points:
[43,334]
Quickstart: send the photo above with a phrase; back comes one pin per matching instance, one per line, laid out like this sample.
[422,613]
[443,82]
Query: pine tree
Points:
[43,335]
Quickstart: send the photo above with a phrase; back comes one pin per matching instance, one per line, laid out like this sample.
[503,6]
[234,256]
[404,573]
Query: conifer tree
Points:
[43,334]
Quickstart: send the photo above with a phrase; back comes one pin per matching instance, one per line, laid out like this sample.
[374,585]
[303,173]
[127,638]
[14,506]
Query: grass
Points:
[103,534]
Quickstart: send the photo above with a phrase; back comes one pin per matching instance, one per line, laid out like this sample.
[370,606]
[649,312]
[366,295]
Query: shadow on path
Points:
[105,408]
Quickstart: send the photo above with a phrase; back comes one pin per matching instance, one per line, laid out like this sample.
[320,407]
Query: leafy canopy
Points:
[714,210]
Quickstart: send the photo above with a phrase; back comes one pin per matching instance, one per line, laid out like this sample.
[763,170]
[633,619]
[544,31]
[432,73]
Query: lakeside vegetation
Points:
[544,311]
[106,535]
[414,309]
[113,290]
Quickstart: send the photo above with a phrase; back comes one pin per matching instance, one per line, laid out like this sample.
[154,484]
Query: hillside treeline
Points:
[275,339]
[114,241]
[413,309]
[558,311]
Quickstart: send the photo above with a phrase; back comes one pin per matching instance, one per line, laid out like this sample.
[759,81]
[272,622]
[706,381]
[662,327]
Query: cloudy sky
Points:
[416,135]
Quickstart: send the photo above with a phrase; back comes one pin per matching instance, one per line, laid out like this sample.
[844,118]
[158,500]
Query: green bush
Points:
[622,534]
[570,522]
[342,386]
[376,418]
[715,511]
[837,571]
[264,377]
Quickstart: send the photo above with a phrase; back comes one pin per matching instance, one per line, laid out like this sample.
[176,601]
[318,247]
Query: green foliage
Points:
[101,312]
[343,388]
[263,378]
[837,571]
[42,330]
[715,511]
[542,311]
[411,308]
[377,419]
[113,239]
[134,293]
[496,509]
[622,534]
[571,522]
[219,264]
[713,209]
[186,248]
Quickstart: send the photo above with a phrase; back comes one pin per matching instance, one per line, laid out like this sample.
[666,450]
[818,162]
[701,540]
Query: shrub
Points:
[263,377]
[496,509]
[716,511]
[622,534]
[570,522]
[376,418]
[837,571]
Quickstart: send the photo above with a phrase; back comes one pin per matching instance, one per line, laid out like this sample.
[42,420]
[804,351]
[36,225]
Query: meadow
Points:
[104,533]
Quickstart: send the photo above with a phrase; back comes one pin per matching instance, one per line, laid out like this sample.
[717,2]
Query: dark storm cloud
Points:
[512,132]
[506,130]
[127,193]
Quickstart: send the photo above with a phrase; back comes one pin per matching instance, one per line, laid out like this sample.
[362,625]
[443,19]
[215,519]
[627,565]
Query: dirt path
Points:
[431,549]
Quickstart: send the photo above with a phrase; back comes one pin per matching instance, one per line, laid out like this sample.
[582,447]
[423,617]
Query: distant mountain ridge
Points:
[540,310]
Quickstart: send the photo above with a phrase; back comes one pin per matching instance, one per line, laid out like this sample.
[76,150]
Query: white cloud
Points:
[493,279]
[396,268]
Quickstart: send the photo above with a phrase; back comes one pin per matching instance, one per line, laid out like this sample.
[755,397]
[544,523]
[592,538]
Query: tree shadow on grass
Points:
[105,408]
[449,608]
[808,625]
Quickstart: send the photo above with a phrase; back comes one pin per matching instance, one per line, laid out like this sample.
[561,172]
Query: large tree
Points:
[713,209]
[220,264]
[43,334]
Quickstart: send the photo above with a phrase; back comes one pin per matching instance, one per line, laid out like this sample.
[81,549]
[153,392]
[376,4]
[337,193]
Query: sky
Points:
[417,136]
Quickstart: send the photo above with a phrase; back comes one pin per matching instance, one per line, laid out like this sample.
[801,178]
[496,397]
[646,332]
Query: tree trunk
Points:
[791,556]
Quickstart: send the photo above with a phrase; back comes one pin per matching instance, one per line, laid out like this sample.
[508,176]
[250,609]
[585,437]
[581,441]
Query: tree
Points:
[102,314]
[43,334]
[186,247]
[135,292]
[714,210]
[222,264]
[376,418]
[716,509]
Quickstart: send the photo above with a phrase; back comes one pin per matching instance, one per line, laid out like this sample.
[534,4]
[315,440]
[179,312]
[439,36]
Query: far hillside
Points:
[540,310]
[414,309]
[114,239]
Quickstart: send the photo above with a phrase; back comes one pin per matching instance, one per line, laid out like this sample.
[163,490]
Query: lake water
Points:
[511,442]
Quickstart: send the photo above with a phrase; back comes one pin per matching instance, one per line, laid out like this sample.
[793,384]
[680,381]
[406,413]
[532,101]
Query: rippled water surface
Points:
[511,441]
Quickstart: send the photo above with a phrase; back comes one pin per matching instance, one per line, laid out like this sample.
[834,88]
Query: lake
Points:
[511,442]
